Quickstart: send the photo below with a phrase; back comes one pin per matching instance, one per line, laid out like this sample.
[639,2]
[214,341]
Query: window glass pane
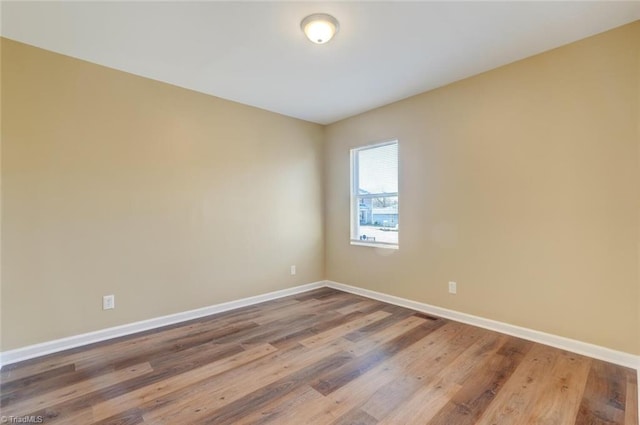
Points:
[378,169]
[374,195]
[378,219]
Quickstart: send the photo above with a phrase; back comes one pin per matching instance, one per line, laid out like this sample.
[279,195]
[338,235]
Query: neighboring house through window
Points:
[374,195]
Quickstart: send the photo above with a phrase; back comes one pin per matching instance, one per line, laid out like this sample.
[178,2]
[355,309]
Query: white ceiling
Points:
[255,52]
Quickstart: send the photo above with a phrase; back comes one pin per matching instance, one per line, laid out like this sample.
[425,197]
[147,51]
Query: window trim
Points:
[355,216]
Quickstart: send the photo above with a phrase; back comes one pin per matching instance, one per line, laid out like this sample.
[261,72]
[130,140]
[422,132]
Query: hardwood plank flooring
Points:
[322,357]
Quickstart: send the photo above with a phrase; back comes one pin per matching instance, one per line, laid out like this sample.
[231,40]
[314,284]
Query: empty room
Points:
[320,212]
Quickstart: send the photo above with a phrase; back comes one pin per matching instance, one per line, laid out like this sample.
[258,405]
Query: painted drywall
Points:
[169,199]
[638,200]
[521,184]
[1,44]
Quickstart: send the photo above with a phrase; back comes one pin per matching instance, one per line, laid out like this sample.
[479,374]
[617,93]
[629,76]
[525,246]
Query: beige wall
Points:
[169,199]
[521,184]
[638,200]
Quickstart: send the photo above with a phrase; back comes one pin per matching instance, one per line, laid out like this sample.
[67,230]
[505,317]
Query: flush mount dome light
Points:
[319,27]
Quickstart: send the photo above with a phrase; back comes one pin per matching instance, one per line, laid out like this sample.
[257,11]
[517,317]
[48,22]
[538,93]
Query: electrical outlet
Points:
[293,270]
[453,288]
[108,302]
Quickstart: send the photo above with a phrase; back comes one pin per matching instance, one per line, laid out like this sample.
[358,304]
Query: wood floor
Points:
[322,357]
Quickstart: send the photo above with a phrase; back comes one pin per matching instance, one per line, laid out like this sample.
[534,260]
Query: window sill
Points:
[375,244]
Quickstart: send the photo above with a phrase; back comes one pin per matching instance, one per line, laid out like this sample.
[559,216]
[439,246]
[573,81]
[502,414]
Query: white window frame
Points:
[355,213]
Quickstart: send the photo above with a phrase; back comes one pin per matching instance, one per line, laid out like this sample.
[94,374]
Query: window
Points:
[374,195]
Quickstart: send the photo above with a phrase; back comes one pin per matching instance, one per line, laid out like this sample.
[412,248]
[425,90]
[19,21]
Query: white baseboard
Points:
[49,347]
[579,347]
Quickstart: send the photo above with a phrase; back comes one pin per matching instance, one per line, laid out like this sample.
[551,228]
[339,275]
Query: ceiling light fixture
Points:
[319,27]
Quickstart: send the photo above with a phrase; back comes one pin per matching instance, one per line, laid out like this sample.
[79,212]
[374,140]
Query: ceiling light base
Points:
[319,27]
